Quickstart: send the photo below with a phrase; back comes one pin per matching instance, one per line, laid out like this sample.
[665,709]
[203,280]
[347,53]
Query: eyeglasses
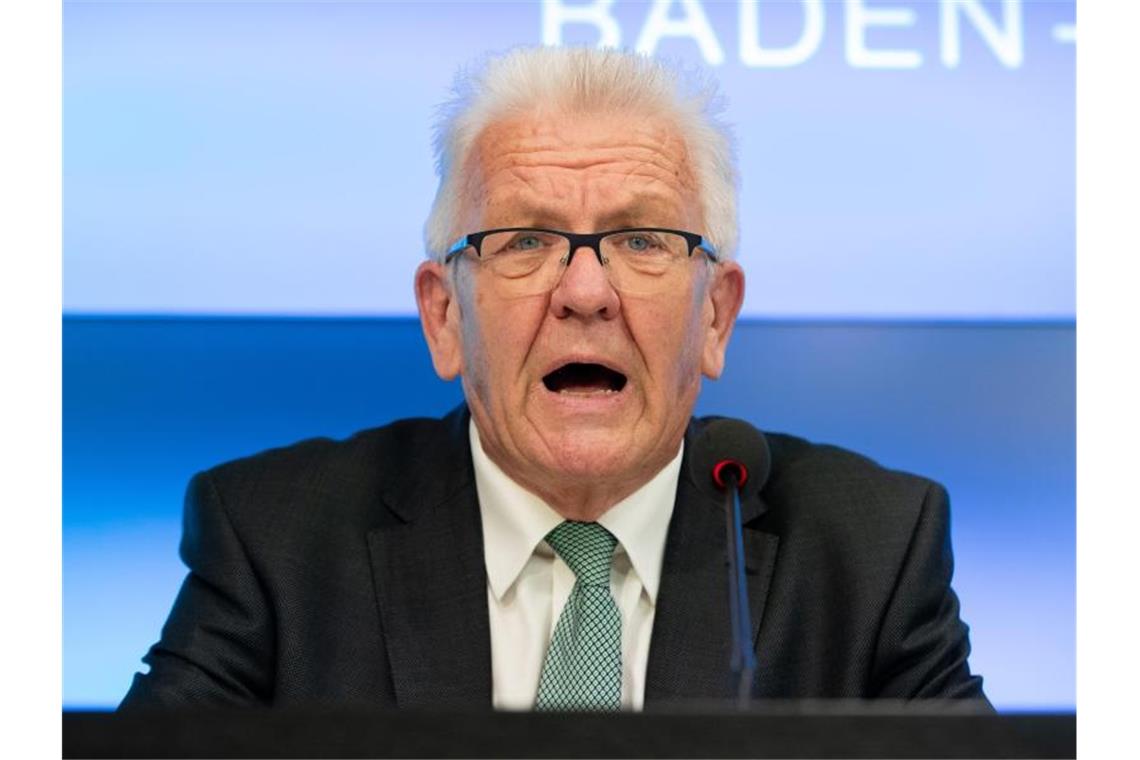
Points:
[528,260]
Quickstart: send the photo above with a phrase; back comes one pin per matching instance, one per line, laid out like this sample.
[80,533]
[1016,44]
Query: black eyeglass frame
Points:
[591,240]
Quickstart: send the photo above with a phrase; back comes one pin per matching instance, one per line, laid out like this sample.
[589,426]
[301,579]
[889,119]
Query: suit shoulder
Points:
[378,446]
[823,477]
[354,470]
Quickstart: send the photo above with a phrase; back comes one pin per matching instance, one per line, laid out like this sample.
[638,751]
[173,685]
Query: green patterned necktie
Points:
[582,670]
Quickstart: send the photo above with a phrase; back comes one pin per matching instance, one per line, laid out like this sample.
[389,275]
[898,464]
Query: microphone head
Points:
[729,470]
[727,445]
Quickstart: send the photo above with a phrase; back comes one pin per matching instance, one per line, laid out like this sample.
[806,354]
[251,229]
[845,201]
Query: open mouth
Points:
[584,379]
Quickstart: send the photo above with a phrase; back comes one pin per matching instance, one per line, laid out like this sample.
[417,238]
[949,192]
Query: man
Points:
[547,544]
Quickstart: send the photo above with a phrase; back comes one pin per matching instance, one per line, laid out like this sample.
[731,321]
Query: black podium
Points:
[820,730]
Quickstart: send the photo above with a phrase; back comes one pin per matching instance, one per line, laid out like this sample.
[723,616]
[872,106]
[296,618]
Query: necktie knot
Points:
[587,548]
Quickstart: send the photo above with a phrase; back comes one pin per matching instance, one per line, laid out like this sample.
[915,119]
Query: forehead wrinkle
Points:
[636,193]
[646,160]
[632,181]
[581,140]
[542,151]
[586,129]
[520,209]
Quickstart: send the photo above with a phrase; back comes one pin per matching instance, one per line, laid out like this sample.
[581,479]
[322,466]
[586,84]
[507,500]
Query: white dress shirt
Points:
[528,584]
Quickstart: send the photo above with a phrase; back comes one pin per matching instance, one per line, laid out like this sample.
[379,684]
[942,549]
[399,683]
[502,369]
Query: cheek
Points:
[670,340]
[690,329]
[691,348]
[497,335]
[473,330]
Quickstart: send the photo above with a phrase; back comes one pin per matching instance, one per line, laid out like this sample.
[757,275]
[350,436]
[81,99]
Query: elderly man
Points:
[546,545]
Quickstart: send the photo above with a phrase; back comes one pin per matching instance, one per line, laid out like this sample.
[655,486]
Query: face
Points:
[583,386]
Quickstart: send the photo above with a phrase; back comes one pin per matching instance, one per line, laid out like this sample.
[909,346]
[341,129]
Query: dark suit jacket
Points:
[352,573]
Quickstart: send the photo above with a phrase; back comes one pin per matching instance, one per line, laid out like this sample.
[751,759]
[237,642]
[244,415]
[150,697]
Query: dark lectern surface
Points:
[792,731]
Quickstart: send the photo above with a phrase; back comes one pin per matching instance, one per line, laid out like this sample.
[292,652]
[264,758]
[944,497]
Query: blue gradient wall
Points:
[987,409]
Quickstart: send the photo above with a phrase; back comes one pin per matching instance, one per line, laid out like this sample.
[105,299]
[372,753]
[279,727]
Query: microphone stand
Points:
[743,658]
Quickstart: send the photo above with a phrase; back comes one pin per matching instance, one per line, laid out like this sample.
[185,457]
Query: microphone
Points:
[732,457]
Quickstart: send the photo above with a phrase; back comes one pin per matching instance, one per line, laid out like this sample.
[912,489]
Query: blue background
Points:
[987,409]
[243,193]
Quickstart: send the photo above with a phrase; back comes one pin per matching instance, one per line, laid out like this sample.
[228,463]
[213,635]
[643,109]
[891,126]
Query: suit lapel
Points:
[430,579]
[691,645]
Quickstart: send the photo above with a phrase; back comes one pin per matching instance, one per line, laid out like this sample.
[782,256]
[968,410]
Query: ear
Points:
[725,297]
[439,318]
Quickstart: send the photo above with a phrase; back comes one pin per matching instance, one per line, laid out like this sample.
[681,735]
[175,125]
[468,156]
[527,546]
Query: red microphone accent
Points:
[718,473]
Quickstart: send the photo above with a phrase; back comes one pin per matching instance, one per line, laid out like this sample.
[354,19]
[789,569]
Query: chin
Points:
[592,454]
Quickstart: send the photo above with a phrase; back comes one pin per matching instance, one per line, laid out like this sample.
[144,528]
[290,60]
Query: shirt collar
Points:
[515,521]
[641,522]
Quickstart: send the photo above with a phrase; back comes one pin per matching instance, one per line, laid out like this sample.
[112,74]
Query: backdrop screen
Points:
[245,186]
[898,159]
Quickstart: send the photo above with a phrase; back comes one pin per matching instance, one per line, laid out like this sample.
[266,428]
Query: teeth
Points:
[594,392]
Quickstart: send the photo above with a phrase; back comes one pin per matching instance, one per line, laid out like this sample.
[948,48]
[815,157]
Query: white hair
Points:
[585,79]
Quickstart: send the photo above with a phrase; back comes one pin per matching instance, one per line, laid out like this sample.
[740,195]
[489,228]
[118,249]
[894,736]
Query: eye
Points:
[641,242]
[525,242]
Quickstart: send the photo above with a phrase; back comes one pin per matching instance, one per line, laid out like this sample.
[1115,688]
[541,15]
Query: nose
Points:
[584,288]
